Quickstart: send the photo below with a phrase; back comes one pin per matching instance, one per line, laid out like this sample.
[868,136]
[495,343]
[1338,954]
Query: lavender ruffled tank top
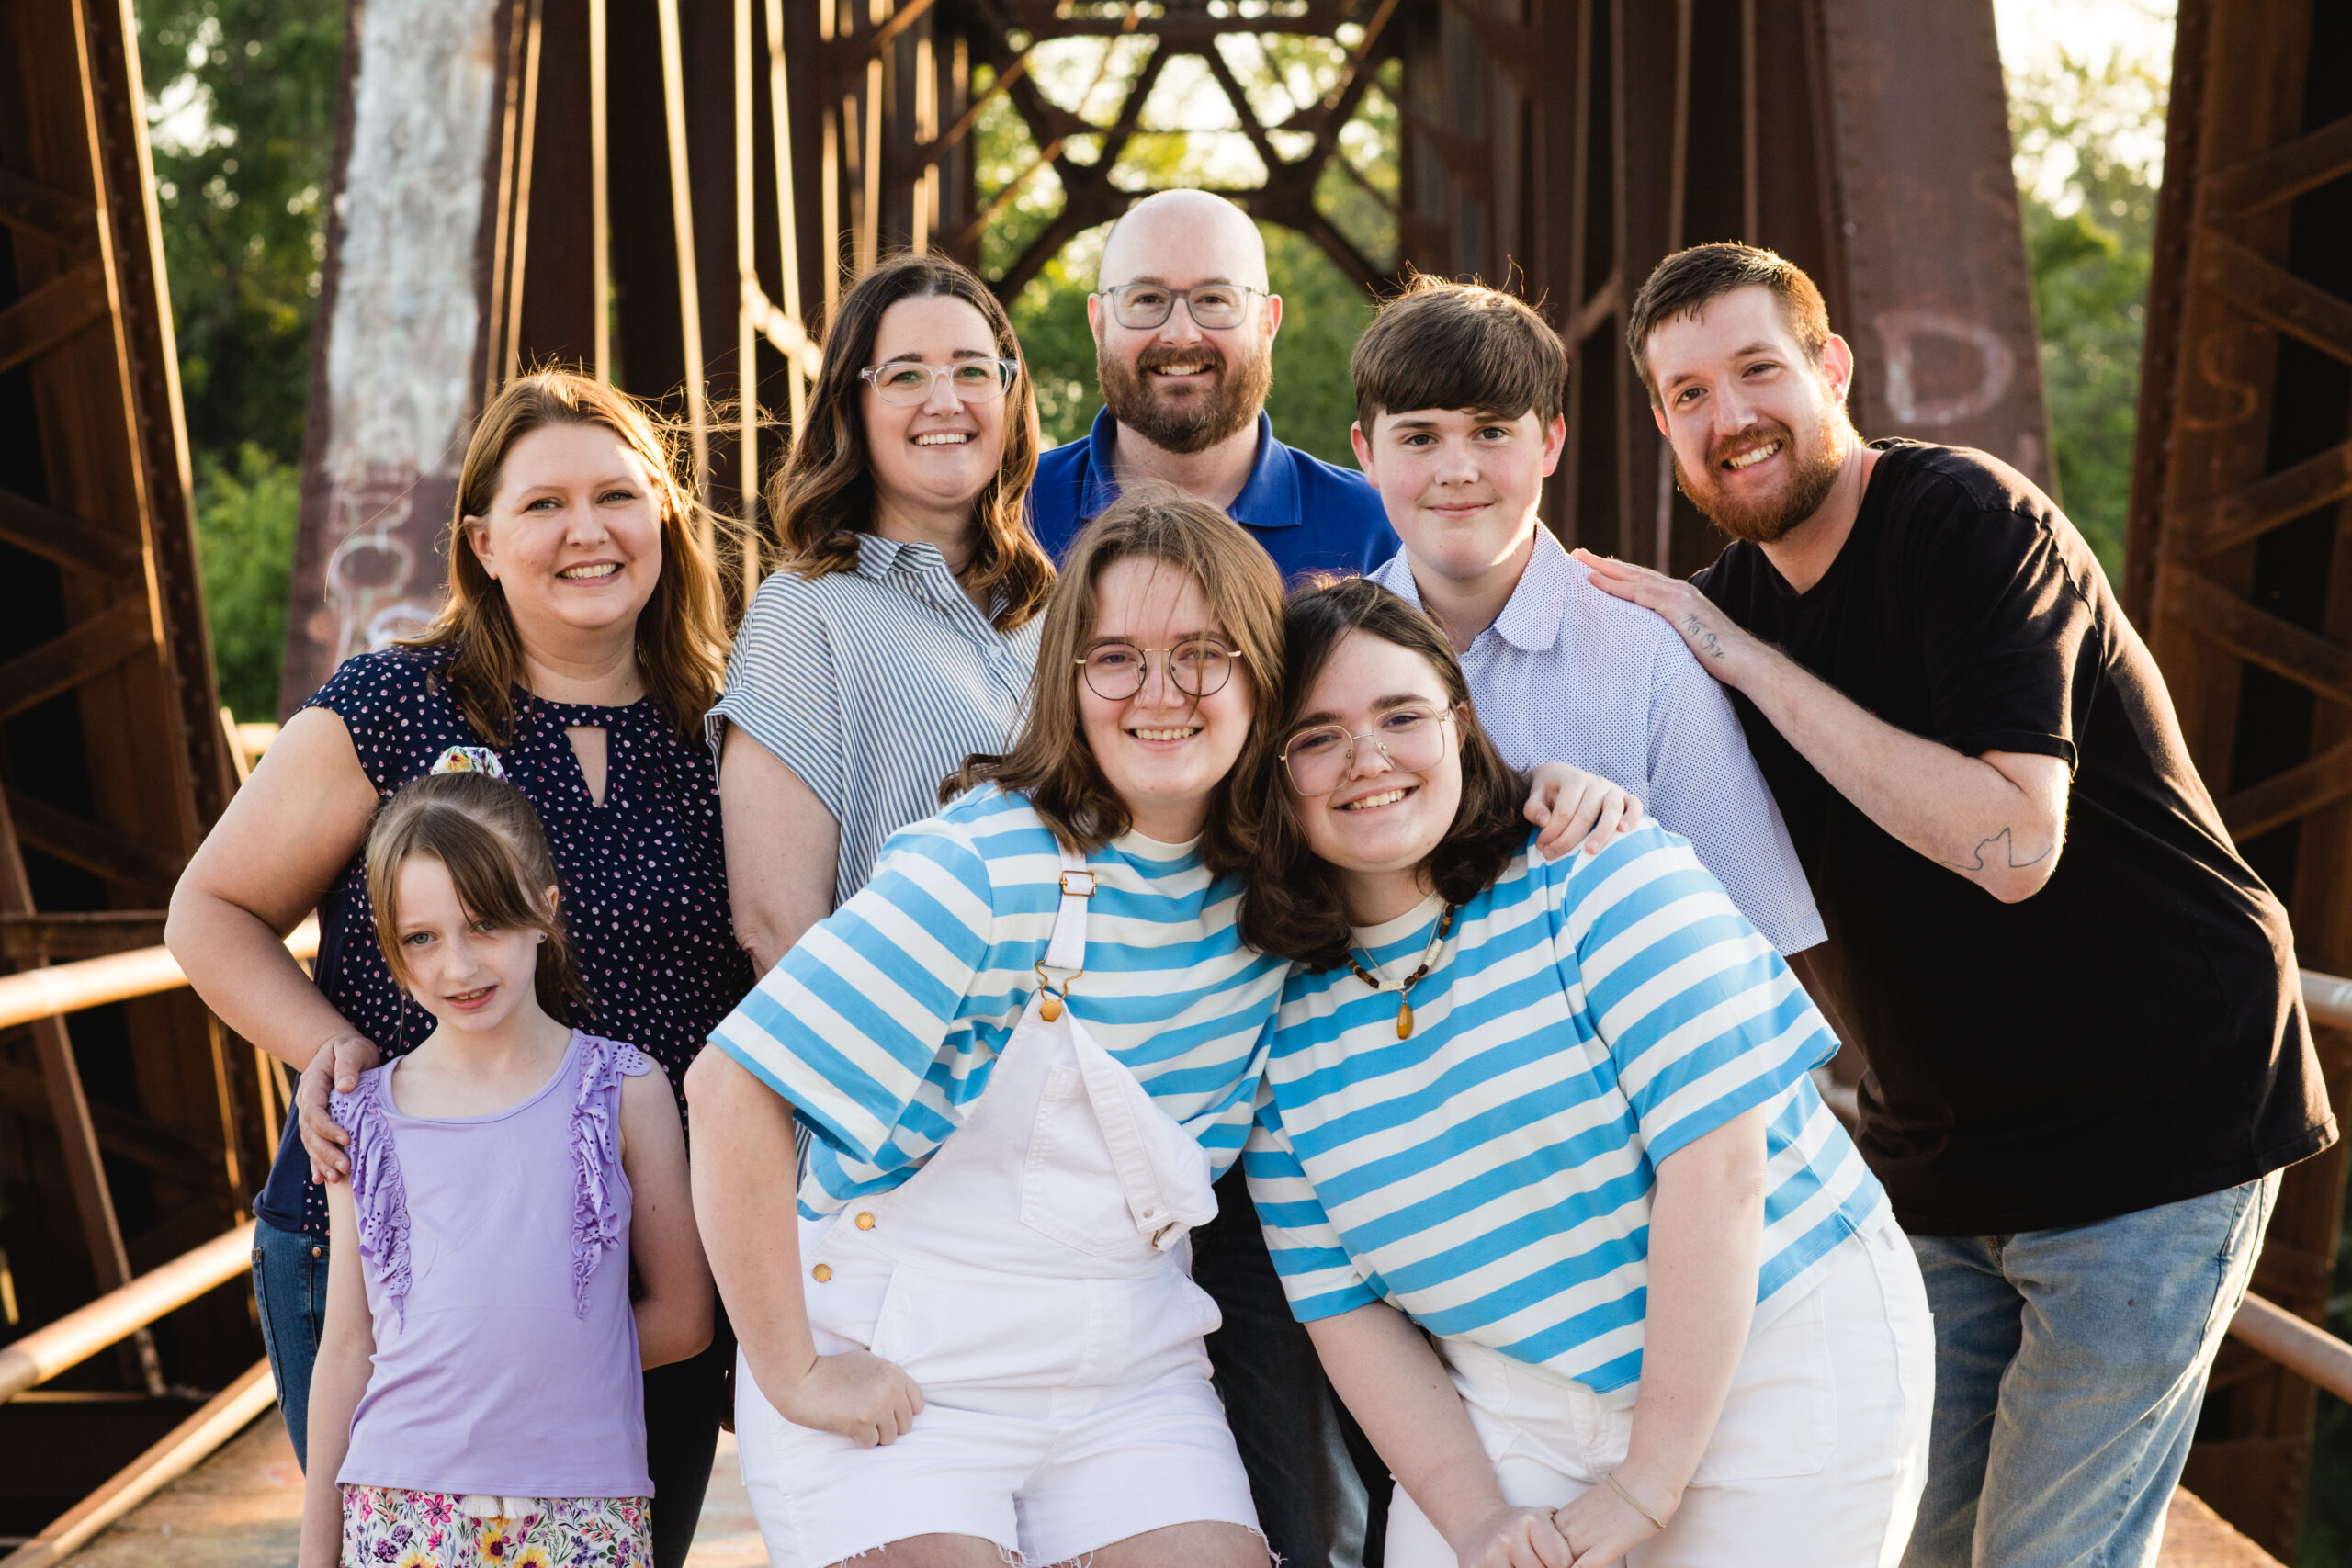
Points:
[495,1251]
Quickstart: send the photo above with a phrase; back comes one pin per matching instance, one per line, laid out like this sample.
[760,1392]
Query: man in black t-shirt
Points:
[2086,1057]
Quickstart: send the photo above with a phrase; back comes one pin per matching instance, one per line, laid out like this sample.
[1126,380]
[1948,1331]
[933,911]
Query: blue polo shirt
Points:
[1309,516]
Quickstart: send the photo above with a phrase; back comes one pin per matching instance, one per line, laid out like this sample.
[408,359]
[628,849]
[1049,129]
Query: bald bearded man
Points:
[1184,351]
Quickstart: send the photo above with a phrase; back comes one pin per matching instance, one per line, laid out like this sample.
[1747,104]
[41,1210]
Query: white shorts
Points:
[1817,1462]
[1044,1487]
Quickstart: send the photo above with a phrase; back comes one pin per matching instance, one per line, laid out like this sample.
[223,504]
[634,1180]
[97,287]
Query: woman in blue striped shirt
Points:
[1557,1115]
[900,632]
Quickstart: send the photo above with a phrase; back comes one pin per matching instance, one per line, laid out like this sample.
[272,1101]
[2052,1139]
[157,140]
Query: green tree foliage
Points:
[2089,140]
[245,538]
[243,95]
[242,101]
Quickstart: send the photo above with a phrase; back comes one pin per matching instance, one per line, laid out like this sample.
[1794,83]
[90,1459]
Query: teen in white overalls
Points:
[1036,1269]
[999,1358]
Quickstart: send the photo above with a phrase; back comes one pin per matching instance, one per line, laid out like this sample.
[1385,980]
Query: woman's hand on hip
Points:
[1569,804]
[336,1069]
[1508,1536]
[856,1394]
[1602,1526]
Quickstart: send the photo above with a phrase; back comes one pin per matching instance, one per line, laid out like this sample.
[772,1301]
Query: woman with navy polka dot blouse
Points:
[580,649]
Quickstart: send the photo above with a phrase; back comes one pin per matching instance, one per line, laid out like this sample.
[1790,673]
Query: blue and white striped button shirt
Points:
[1568,673]
[873,685]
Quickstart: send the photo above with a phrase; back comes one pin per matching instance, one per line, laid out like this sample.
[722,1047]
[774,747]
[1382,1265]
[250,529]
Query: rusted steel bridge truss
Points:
[695,240]
[673,195]
[139,1129]
[675,240]
[2240,573]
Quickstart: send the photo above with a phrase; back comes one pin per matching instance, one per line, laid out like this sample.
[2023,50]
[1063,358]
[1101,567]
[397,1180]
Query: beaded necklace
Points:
[1405,988]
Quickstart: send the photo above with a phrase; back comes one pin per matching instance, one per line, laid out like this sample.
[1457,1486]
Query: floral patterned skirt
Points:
[385,1527]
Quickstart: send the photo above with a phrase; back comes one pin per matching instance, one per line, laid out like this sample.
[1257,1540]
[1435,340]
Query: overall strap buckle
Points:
[1050,1000]
[1066,950]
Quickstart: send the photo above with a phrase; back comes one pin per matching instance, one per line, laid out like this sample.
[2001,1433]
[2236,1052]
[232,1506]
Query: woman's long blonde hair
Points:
[681,635]
[1050,762]
[823,498]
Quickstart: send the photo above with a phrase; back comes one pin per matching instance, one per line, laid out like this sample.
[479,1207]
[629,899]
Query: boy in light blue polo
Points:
[1460,392]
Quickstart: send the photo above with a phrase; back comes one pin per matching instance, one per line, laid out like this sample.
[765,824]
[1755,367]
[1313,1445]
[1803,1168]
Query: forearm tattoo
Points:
[2008,855]
[1703,637]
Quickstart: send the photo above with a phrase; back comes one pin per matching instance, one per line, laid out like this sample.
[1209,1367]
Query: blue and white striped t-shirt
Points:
[871,685]
[1492,1176]
[882,1024]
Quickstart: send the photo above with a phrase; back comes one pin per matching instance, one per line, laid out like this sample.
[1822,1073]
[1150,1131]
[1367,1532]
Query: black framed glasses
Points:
[1411,740]
[1198,667]
[906,383]
[1139,307]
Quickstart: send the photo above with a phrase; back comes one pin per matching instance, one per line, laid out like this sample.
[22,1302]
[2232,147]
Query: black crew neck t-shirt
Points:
[2130,1035]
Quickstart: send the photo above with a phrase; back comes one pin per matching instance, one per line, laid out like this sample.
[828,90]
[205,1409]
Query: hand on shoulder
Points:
[1723,649]
[1569,805]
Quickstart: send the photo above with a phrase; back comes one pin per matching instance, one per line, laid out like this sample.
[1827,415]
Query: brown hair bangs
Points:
[491,842]
[823,498]
[1293,907]
[681,632]
[1050,762]
[1442,344]
[1684,283]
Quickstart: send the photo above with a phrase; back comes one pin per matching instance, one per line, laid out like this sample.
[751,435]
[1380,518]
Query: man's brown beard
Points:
[1768,518]
[1195,424]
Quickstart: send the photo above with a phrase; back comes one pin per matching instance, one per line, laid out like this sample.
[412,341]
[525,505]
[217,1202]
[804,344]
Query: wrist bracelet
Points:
[1630,1501]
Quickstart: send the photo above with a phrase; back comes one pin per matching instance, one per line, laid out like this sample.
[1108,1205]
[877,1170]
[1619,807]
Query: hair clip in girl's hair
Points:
[469,760]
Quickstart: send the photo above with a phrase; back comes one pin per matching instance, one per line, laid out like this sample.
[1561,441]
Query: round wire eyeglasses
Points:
[1198,667]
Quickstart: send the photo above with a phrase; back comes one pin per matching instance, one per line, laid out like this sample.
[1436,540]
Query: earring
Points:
[543,936]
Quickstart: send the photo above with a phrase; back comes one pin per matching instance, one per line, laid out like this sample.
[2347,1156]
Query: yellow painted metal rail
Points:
[32,994]
[80,1334]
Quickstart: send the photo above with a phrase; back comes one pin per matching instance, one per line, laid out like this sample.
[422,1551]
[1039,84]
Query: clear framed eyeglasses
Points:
[906,383]
[1198,667]
[1411,740]
[1139,307]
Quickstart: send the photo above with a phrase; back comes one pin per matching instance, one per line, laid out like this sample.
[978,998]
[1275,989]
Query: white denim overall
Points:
[1033,1278]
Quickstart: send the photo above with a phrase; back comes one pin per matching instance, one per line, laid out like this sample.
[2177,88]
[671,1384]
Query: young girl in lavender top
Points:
[478,1397]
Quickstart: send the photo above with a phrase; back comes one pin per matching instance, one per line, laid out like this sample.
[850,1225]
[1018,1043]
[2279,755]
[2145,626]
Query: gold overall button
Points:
[823,1271]
[866,1221]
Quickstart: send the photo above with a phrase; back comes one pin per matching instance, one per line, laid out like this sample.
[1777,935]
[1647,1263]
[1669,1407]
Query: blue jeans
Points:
[2070,1366]
[684,1401]
[290,1288]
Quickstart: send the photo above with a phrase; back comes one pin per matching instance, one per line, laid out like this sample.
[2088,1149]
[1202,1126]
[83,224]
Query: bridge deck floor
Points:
[242,1508]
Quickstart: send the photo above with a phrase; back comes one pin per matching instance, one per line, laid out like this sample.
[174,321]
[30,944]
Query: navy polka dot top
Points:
[643,876]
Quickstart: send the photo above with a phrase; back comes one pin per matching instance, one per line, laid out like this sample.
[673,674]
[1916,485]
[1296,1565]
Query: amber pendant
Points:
[1404,1020]
[1050,1009]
